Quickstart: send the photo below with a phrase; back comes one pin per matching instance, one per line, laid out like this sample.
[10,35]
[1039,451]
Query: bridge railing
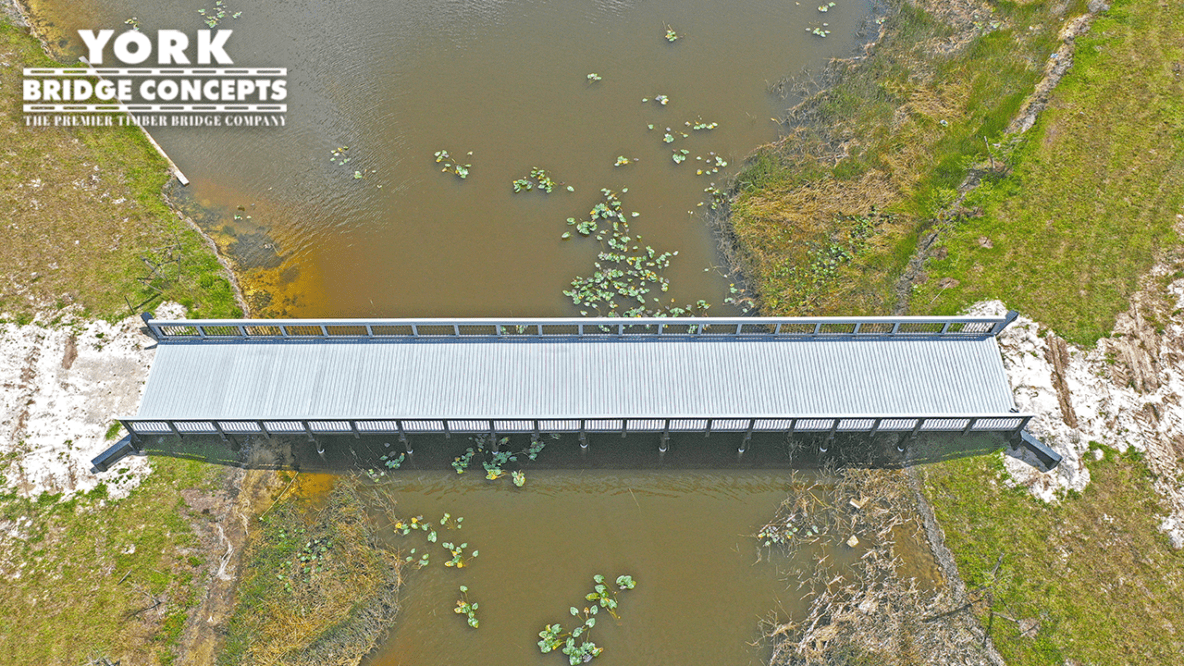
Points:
[554,328]
[965,424]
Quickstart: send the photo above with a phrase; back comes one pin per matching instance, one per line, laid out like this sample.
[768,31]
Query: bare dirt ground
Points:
[229,510]
[1126,392]
[60,388]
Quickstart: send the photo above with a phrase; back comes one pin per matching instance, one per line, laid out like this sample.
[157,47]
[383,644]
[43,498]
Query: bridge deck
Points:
[687,374]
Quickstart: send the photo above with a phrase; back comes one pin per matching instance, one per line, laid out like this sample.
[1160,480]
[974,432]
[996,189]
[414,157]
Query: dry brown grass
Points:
[897,130]
[873,610]
[287,614]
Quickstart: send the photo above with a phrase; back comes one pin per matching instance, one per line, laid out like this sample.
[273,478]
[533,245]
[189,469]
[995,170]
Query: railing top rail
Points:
[597,417]
[436,328]
[588,321]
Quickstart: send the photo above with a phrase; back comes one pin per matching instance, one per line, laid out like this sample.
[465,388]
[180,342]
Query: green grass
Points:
[911,119]
[61,582]
[287,609]
[1092,200]
[1095,573]
[83,210]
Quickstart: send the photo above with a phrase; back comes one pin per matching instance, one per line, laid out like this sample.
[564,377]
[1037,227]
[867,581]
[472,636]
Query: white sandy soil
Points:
[1125,392]
[61,387]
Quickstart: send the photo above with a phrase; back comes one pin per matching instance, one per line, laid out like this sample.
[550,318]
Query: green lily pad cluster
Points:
[826,7]
[496,459]
[213,16]
[622,161]
[700,125]
[538,178]
[338,156]
[577,644]
[820,31]
[417,523]
[461,170]
[716,196]
[713,164]
[593,77]
[464,607]
[389,461]
[671,35]
[680,156]
[627,272]
[134,23]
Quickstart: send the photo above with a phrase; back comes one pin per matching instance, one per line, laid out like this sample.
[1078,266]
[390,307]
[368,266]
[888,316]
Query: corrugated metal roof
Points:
[537,378]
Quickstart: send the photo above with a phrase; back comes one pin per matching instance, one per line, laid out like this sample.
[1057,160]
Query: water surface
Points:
[506,79]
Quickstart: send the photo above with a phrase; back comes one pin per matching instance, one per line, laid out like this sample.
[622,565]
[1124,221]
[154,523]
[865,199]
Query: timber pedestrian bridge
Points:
[904,375]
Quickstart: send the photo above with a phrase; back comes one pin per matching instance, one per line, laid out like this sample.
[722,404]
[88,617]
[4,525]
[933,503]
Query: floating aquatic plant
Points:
[668,137]
[537,178]
[577,644]
[662,99]
[626,271]
[826,7]
[712,164]
[463,607]
[432,534]
[593,77]
[622,160]
[461,170]
[494,459]
[717,196]
[671,35]
[212,17]
[390,462]
[338,156]
[134,23]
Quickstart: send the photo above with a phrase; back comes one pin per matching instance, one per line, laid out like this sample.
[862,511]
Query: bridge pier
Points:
[662,447]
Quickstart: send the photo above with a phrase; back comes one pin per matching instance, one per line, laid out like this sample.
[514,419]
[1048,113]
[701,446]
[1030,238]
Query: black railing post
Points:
[969,425]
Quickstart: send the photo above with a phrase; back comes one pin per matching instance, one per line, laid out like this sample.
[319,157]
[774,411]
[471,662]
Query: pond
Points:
[682,525]
[397,81]
[509,82]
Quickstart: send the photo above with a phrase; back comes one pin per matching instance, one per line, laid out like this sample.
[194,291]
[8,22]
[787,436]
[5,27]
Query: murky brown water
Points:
[398,80]
[685,537]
